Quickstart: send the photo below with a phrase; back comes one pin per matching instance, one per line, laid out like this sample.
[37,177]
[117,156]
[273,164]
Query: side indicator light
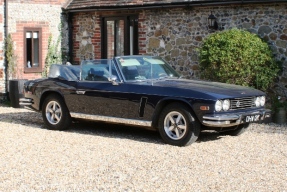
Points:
[204,108]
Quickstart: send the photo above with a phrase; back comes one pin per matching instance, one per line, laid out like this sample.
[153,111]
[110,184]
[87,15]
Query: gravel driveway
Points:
[105,157]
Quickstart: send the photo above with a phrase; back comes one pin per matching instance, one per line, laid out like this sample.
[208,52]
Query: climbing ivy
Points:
[11,57]
[54,55]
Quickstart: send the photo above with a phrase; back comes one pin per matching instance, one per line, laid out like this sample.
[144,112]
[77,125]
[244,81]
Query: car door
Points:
[96,95]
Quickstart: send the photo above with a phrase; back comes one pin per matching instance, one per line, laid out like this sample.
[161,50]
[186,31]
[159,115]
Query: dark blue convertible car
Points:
[143,91]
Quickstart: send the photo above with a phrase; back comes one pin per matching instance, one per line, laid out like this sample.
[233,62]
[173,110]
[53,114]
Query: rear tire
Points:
[55,113]
[178,125]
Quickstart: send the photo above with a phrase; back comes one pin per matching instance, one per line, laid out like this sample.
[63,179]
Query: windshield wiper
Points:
[166,77]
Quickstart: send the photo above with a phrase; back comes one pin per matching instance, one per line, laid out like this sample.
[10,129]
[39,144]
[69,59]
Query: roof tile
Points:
[78,4]
[83,4]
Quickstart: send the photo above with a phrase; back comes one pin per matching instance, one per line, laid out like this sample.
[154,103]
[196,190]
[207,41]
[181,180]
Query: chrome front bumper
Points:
[232,119]
[25,102]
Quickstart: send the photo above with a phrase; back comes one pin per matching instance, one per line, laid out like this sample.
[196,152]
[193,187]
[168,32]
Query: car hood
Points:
[215,89]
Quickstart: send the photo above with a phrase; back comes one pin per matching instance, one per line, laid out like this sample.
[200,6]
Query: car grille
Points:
[242,103]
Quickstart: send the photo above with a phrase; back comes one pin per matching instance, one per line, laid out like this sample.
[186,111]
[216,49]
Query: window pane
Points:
[131,40]
[29,49]
[35,35]
[32,49]
[120,37]
[115,38]
[28,34]
[35,51]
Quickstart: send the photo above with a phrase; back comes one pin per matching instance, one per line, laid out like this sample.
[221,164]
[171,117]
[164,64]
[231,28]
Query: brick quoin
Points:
[142,33]
[1,73]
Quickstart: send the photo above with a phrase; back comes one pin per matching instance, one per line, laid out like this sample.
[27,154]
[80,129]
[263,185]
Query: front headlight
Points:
[226,105]
[218,105]
[257,101]
[262,101]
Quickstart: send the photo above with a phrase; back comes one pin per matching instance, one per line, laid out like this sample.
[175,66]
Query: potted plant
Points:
[15,85]
[279,106]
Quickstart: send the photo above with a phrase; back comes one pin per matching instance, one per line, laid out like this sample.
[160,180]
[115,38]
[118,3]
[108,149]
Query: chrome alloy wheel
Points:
[175,125]
[53,112]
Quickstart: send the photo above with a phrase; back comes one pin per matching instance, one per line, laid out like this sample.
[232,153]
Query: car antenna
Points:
[151,74]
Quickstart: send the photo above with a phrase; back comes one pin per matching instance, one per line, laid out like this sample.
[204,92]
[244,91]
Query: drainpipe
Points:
[5,37]
[71,43]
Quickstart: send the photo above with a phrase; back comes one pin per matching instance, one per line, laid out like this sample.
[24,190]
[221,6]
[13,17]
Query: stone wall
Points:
[176,34]
[65,38]
[86,30]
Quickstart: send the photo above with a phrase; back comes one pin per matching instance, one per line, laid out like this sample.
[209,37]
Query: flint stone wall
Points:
[176,34]
[37,13]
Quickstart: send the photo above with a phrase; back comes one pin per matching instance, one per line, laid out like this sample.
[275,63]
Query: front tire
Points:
[55,113]
[178,126]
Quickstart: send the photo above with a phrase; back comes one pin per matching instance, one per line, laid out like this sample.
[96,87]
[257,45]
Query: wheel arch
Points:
[46,94]
[163,103]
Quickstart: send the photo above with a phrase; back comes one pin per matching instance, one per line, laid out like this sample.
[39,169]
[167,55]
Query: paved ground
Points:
[106,157]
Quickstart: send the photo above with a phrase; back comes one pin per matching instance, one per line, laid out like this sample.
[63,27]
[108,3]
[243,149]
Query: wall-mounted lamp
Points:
[212,24]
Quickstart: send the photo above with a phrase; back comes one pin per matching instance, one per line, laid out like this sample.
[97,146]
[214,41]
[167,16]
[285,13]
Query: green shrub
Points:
[11,57]
[237,57]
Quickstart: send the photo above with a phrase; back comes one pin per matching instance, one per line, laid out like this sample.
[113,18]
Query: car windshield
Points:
[145,67]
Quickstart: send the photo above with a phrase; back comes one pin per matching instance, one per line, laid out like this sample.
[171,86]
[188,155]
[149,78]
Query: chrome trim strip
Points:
[25,101]
[81,92]
[112,119]
[25,104]
[226,119]
[221,124]
[222,118]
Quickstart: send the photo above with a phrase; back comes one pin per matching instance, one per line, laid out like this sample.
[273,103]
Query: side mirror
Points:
[113,79]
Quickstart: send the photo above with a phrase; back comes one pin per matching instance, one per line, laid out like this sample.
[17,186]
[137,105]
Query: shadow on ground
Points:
[34,120]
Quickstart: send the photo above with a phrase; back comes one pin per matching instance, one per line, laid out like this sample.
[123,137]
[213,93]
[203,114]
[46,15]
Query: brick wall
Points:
[34,14]
[29,13]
